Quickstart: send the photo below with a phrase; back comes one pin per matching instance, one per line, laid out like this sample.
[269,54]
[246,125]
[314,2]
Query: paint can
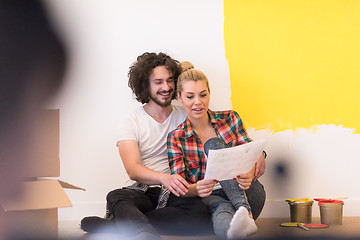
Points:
[331,212]
[300,210]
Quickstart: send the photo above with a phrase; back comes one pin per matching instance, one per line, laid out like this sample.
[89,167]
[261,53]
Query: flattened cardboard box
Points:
[36,210]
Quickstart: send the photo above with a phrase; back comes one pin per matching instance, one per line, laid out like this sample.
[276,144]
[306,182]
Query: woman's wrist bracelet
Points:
[265,154]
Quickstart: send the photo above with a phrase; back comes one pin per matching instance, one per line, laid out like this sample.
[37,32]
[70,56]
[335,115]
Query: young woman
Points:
[227,201]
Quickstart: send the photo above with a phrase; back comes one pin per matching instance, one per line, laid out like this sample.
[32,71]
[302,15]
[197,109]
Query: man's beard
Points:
[163,104]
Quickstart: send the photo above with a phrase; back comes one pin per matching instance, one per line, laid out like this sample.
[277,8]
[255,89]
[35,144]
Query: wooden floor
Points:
[269,228]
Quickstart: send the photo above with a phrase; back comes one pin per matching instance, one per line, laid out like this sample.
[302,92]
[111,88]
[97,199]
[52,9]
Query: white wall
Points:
[105,37]
[321,162]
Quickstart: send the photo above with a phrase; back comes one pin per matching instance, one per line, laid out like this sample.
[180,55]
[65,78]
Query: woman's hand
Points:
[204,187]
[175,183]
[244,180]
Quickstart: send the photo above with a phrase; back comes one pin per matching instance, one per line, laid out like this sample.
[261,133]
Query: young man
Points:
[154,200]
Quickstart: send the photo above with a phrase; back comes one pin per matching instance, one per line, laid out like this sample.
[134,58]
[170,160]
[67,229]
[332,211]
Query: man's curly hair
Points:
[140,71]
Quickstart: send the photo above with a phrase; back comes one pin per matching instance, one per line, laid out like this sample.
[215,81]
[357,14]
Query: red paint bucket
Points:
[331,211]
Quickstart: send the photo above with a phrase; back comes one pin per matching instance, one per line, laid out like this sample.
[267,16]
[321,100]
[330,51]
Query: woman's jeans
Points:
[222,209]
[224,202]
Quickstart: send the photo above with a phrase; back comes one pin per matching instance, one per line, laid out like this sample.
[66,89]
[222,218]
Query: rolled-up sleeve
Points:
[175,156]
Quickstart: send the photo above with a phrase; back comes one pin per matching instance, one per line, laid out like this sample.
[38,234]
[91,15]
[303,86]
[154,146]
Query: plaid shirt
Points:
[186,151]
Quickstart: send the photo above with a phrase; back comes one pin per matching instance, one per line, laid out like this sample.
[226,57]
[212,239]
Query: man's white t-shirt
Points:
[151,135]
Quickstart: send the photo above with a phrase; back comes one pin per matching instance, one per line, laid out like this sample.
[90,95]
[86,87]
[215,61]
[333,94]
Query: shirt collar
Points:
[213,120]
[189,131]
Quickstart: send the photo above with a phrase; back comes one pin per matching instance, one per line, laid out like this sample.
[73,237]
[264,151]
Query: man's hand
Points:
[176,184]
[244,180]
[204,187]
[259,167]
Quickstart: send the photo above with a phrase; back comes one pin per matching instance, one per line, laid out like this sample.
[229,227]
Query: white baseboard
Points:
[82,209]
[272,209]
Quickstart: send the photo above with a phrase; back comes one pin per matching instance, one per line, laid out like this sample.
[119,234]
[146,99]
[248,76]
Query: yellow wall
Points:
[294,63]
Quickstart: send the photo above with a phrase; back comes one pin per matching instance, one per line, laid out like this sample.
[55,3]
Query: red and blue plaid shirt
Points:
[186,151]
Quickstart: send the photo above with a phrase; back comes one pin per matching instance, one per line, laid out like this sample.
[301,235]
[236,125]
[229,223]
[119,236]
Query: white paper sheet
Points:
[227,163]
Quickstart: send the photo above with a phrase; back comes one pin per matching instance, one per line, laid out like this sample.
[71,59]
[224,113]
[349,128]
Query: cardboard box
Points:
[46,145]
[35,211]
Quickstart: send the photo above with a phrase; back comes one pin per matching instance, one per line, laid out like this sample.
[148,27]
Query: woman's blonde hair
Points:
[189,73]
